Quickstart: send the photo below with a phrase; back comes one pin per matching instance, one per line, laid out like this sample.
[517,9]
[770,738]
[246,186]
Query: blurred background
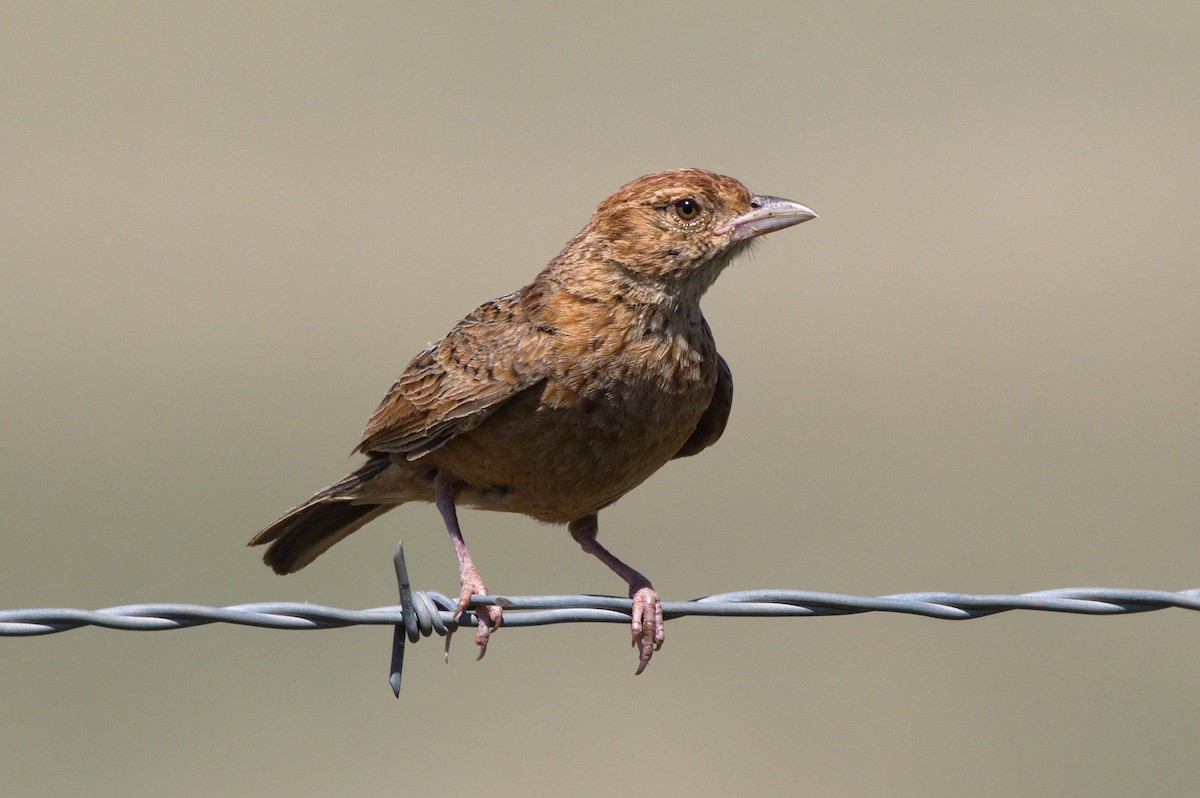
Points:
[226,228]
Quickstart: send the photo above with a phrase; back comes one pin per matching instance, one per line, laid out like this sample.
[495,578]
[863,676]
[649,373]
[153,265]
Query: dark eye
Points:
[686,209]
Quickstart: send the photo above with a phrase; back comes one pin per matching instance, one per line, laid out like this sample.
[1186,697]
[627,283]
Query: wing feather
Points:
[712,424]
[452,387]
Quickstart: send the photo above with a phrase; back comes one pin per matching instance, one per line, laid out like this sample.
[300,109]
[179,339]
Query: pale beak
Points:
[766,215]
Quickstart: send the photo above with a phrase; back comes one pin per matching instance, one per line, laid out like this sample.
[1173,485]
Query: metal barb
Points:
[409,627]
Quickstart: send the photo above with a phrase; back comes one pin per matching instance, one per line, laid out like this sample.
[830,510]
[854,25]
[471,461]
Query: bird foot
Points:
[647,626]
[490,617]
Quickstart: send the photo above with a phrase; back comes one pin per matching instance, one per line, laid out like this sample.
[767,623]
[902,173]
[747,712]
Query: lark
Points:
[556,400]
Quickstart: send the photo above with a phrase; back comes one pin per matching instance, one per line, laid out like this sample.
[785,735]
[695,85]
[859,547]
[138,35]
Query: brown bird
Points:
[558,399]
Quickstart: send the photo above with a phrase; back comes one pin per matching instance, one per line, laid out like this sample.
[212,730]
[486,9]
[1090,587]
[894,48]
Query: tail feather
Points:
[305,532]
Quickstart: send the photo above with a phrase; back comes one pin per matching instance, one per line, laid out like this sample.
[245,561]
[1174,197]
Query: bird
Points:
[556,400]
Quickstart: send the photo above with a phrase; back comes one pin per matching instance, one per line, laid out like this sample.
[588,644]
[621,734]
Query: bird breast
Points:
[624,392]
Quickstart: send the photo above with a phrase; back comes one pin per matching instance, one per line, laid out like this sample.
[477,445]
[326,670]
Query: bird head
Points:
[672,233]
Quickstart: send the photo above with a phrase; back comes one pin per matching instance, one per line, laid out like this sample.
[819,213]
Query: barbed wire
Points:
[422,613]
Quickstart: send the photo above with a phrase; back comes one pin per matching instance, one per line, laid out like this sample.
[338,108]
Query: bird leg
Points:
[647,626]
[472,583]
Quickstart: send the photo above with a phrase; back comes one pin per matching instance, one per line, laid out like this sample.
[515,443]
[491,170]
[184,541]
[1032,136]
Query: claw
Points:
[647,626]
[489,617]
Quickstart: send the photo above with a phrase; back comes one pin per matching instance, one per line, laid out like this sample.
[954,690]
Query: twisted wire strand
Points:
[432,612]
[423,613]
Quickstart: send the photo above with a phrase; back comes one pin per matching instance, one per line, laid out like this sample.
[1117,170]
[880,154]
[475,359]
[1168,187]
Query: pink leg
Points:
[647,626]
[472,582]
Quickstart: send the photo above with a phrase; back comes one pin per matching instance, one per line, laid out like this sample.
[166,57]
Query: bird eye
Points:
[686,209]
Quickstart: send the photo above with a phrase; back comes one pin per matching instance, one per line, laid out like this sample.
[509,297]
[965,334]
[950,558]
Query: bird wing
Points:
[712,422]
[488,358]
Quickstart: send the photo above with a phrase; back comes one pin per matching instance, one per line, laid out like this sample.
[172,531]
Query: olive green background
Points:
[225,228]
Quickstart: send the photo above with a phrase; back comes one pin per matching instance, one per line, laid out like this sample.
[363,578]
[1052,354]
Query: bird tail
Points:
[303,533]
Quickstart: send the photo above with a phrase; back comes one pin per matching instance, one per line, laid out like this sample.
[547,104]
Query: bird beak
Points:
[766,215]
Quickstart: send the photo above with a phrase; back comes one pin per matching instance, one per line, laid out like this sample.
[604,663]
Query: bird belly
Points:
[557,454]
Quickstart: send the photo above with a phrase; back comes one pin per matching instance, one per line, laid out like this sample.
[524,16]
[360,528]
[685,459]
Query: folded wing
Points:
[488,358]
